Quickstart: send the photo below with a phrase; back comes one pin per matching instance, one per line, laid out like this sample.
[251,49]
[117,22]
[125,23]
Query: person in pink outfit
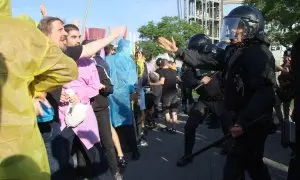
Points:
[85,87]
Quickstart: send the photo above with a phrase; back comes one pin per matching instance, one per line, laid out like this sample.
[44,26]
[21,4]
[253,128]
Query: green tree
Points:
[282,17]
[168,27]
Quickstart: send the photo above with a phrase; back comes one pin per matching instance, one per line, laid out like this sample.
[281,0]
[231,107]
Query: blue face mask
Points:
[48,114]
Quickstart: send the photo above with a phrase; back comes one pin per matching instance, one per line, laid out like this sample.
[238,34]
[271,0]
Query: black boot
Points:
[185,160]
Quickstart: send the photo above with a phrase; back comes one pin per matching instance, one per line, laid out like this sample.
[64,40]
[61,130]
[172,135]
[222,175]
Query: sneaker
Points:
[185,160]
[143,143]
[172,131]
[151,125]
[122,163]
[165,129]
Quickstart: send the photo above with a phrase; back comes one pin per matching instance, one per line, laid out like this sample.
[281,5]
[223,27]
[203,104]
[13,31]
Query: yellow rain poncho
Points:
[140,62]
[28,62]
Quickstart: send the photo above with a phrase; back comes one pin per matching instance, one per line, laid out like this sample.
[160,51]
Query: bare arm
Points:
[93,47]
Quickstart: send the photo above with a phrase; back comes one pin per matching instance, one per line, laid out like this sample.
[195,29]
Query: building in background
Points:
[209,14]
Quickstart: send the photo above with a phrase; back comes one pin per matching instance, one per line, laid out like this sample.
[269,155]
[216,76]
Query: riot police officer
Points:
[248,78]
[207,86]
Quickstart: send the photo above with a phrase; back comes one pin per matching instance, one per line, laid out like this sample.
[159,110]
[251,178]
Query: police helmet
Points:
[201,43]
[245,21]
[158,62]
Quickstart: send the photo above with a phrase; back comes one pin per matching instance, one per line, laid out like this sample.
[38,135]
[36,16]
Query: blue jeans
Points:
[58,151]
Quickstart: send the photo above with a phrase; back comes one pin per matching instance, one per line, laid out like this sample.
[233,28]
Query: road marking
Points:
[163,158]
[267,161]
[158,139]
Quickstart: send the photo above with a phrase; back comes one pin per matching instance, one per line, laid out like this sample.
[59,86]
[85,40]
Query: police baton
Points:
[219,141]
[200,85]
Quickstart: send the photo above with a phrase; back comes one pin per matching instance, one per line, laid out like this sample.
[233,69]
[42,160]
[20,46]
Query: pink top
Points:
[150,67]
[86,86]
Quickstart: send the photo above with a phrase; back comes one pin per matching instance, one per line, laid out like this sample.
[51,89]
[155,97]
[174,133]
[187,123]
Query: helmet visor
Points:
[233,29]
[222,45]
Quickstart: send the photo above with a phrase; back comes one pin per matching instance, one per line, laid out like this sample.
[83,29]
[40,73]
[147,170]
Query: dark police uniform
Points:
[187,97]
[210,100]
[248,79]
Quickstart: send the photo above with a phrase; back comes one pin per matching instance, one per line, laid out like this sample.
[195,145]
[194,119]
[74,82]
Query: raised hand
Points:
[167,45]
[117,31]
[76,22]
[43,10]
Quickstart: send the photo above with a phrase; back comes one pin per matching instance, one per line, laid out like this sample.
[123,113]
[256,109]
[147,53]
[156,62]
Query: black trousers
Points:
[247,154]
[127,138]
[187,96]
[198,113]
[91,163]
[138,121]
[104,126]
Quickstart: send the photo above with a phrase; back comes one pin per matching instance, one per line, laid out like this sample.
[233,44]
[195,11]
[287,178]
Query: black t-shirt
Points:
[158,71]
[74,52]
[170,79]
[54,96]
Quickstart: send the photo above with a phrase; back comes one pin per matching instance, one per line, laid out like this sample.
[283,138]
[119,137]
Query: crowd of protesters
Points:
[85,114]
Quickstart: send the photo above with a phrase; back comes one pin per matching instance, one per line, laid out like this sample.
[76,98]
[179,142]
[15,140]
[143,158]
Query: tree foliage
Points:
[168,27]
[282,17]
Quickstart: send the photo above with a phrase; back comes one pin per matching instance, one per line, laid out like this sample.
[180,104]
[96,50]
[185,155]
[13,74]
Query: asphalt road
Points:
[158,160]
